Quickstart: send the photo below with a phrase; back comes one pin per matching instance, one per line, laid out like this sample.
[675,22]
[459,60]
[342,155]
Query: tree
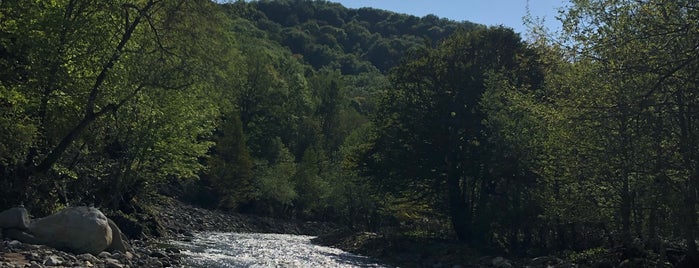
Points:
[230,165]
[91,61]
[648,60]
[430,136]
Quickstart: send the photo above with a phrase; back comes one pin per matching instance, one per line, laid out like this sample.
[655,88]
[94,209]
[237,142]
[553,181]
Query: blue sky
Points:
[489,12]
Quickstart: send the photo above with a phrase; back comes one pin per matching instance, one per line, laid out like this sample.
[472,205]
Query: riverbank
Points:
[409,251]
[174,220]
[403,250]
[170,219]
[180,219]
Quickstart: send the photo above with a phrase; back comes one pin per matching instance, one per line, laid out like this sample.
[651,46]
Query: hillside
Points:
[354,41]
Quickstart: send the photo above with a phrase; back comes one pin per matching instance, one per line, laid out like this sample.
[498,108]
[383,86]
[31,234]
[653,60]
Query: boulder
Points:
[119,243]
[76,229]
[20,235]
[17,218]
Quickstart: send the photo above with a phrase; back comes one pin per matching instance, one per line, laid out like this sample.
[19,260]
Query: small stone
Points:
[70,257]
[53,261]
[32,247]
[112,263]
[88,264]
[14,244]
[87,257]
[104,254]
[35,265]
[158,254]
[33,256]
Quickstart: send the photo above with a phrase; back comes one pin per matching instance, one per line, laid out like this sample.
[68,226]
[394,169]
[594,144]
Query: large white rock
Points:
[17,218]
[77,229]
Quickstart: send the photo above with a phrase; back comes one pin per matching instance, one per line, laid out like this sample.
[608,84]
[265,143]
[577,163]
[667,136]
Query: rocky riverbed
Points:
[181,219]
[185,224]
[16,254]
[177,221]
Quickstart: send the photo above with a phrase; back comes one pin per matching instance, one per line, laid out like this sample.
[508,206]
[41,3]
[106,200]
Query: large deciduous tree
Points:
[430,138]
[79,63]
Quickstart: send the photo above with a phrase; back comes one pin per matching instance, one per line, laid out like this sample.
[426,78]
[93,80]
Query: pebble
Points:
[87,257]
[158,254]
[30,256]
[33,256]
[53,261]
[112,263]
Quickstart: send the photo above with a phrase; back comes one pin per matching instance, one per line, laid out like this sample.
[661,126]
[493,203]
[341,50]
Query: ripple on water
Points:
[212,249]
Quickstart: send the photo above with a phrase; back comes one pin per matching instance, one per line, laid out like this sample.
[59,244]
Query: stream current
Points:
[212,249]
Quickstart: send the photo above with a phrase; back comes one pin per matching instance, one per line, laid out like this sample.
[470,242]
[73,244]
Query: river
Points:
[213,249]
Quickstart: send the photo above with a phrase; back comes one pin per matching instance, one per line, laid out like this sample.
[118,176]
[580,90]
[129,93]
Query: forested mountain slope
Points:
[351,40]
[583,145]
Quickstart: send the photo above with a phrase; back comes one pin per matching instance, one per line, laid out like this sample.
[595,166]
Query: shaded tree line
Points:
[568,143]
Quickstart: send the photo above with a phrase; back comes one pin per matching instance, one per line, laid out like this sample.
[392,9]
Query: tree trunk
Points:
[625,213]
[690,220]
[457,209]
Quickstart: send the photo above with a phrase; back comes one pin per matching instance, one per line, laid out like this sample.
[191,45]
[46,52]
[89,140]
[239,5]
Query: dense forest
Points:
[297,109]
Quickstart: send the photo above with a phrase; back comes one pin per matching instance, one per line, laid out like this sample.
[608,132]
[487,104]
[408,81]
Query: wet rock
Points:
[14,244]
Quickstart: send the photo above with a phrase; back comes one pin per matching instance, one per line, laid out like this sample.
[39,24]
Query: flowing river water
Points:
[212,249]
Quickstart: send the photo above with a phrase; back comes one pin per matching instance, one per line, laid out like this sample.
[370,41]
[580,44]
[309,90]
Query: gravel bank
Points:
[177,220]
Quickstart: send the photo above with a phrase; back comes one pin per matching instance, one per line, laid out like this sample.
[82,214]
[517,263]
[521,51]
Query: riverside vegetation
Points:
[582,144]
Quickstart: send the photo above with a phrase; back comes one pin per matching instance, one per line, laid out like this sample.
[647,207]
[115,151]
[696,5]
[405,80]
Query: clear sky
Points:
[489,12]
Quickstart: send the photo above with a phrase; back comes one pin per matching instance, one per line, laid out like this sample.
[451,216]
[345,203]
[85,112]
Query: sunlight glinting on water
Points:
[265,250]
